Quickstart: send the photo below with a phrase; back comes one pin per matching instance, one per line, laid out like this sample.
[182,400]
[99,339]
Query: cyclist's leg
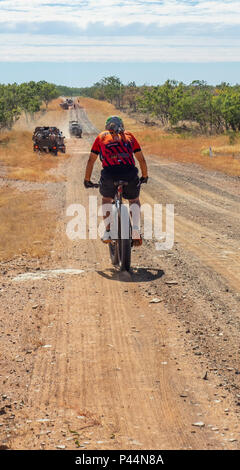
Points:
[106,213]
[107,191]
[135,216]
[131,192]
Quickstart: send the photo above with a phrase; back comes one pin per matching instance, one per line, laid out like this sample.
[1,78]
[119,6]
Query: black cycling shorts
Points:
[108,189]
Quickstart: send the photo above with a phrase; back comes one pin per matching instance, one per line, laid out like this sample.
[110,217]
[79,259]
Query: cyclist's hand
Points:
[143,179]
[88,184]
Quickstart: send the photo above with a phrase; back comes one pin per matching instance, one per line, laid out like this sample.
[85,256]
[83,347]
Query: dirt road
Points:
[89,362]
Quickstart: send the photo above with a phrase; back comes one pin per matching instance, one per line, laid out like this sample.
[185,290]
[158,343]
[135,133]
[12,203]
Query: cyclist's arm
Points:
[89,168]
[142,162]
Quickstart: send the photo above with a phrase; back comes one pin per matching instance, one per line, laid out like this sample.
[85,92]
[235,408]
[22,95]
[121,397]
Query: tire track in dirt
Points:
[111,378]
[213,244]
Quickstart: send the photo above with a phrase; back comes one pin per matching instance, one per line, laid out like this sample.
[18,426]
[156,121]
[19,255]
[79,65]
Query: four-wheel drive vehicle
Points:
[64,105]
[60,139]
[75,129]
[61,145]
[48,139]
[69,101]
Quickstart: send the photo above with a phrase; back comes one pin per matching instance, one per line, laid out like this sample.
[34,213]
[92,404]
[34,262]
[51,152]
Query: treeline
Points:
[68,91]
[26,97]
[213,109]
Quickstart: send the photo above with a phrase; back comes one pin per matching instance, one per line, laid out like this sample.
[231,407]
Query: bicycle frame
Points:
[120,247]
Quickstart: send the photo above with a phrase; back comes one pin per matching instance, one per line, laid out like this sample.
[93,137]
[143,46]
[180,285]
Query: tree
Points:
[113,89]
[231,108]
[47,92]
[26,97]
[131,93]
[9,109]
[159,101]
[196,106]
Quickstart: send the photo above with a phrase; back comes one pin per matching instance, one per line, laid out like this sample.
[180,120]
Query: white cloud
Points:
[82,12]
[36,30]
[121,49]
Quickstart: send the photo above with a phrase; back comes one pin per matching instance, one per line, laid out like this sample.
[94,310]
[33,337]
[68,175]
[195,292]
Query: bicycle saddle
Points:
[120,182]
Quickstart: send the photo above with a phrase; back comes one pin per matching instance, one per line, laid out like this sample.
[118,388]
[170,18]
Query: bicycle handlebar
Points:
[96,185]
[92,185]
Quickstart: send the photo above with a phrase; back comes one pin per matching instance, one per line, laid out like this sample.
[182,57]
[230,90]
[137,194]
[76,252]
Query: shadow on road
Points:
[135,275]
[146,274]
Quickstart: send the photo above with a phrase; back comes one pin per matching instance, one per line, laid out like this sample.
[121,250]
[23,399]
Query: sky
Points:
[77,42]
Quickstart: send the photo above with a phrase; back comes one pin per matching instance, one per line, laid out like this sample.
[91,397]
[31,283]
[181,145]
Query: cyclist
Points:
[116,147]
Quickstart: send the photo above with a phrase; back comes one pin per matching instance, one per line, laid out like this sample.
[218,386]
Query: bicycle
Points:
[121,242]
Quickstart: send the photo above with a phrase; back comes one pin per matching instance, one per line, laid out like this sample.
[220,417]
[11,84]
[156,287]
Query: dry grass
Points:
[16,147]
[51,116]
[19,160]
[227,150]
[192,150]
[54,105]
[23,215]
[181,148]
[23,228]
[98,111]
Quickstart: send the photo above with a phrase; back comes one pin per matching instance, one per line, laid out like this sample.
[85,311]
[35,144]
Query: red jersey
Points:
[116,149]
